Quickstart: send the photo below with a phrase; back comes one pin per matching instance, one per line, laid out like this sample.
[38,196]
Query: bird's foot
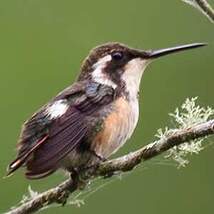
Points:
[77,180]
[62,199]
[100,157]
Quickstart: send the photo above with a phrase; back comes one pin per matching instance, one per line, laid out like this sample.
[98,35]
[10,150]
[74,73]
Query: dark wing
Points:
[44,142]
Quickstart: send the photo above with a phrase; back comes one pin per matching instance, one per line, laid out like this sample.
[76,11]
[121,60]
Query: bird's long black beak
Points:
[152,54]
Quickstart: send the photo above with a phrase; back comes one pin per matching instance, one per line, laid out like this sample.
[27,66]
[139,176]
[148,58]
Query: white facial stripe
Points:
[57,109]
[102,61]
[99,76]
[132,76]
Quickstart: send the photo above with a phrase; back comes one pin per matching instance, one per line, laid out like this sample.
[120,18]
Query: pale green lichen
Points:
[77,202]
[187,116]
[31,195]
[191,114]
[25,198]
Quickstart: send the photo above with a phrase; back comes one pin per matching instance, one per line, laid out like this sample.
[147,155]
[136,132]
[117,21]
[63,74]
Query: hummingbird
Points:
[91,119]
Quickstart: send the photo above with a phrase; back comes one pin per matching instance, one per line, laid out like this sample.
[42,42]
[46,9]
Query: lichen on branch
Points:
[187,116]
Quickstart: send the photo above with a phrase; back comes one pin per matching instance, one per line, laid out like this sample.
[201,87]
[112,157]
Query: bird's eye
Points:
[117,55]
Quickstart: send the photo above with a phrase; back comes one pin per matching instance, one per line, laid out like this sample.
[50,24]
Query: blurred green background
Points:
[42,44]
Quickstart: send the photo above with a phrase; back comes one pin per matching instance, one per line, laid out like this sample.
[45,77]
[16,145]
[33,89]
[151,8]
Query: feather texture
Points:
[46,140]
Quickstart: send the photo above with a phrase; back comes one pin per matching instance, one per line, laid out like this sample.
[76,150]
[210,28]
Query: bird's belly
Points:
[117,127]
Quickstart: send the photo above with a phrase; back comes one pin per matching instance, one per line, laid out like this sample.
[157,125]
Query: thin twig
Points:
[204,7]
[127,162]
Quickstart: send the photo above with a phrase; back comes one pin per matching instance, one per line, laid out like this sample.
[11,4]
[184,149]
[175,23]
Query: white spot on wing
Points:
[57,109]
[99,76]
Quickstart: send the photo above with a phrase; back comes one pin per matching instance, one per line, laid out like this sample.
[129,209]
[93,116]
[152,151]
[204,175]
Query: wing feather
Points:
[40,165]
[44,142]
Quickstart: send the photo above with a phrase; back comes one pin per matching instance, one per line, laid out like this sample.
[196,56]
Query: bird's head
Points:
[117,65]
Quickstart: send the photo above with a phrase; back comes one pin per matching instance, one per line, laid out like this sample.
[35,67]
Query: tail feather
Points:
[14,166]
[20,160]
[35,175]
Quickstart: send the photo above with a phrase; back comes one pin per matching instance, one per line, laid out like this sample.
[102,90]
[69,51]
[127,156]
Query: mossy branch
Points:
[193,125]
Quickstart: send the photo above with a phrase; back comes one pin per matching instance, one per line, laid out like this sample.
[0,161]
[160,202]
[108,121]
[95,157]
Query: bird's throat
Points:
[132,76]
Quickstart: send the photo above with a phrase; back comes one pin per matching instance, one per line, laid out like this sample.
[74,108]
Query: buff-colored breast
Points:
[118,127]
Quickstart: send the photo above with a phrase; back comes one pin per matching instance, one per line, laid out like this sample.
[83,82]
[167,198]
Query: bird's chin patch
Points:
[133,73]
[136,66]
